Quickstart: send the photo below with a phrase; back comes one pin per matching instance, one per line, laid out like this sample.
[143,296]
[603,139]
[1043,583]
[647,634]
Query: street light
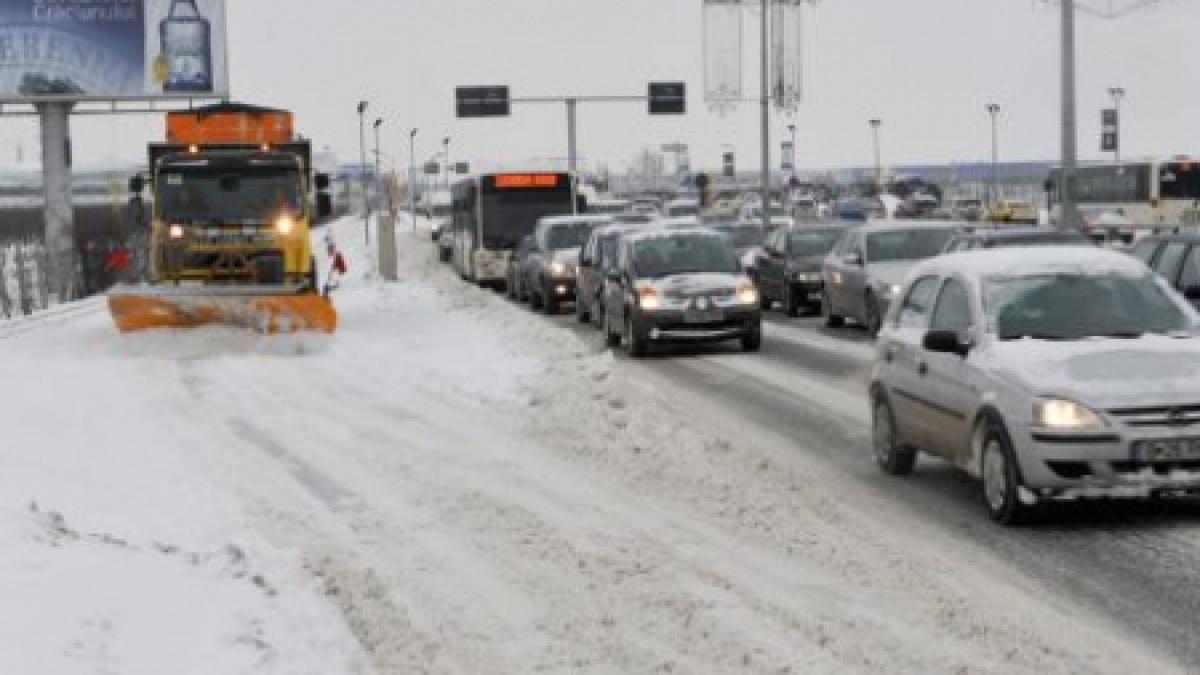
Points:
[412,177]
[875,123]
[1117,93]
[362,146]
[993,110]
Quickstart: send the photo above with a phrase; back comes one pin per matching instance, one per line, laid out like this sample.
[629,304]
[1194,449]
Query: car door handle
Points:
[922,369]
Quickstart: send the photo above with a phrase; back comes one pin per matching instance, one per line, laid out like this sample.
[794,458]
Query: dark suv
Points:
[549,268]
[599,255]
[679,285]
[790,269]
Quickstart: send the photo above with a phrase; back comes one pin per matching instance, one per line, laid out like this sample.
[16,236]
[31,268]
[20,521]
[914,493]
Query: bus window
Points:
[1180,180]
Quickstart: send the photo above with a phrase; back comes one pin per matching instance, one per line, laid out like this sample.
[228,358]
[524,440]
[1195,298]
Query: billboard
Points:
[112,49]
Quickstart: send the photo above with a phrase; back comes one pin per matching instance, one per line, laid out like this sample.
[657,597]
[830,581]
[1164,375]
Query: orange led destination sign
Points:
[508,181]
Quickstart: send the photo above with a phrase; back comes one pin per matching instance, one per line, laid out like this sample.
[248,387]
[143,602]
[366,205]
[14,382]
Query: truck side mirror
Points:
[136,184]
[324,205]
[322,182]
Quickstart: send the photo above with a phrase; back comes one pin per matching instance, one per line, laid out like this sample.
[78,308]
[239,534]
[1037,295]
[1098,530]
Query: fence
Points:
[23,283]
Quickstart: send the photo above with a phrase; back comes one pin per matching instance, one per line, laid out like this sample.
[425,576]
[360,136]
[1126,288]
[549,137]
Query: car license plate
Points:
[1167,450]
[702,311]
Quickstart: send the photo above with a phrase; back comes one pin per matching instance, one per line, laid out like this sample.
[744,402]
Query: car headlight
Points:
[747,294]
[649,298]
[558,269]
[808,277]
[1064,414]
[175,232]
[285,224]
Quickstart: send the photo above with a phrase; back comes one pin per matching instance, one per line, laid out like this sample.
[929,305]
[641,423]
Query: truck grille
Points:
[1161,416]
[231,235]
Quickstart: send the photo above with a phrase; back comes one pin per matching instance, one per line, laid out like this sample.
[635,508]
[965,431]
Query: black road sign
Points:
[1109,130]
[462,168]
[668,98]
[482,101]
[432,168]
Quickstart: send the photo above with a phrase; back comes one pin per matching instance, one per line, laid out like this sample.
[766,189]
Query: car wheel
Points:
[752,340]
[1001,479]
[637,344]
[549,302]
[893,457]
[873,321]
[582,315]
[611,339]
[789,301]
[831,320]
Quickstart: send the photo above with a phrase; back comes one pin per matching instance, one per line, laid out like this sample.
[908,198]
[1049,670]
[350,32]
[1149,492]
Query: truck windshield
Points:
[207,196]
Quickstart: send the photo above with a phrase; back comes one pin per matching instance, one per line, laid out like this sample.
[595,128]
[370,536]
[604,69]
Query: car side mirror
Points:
[853,258]
[1192,292]
[136,184]
[945,342]
[322,181]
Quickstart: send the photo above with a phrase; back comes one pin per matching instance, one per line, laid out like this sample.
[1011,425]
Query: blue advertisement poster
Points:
[98,49]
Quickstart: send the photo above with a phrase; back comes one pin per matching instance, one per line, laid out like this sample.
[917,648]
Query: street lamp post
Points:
[379,185]
[412,177]
[875,124]
[362,147]
[1117,93]
[994,110]
[446,163]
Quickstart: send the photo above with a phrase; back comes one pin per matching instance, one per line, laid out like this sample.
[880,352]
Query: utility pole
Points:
[1117,93]
[1069,218]
[362,147]
[994,110]
[875,124]
[765,101]
[412,177]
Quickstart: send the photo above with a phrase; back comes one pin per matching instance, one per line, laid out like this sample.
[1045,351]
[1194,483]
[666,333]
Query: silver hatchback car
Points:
[1061,373]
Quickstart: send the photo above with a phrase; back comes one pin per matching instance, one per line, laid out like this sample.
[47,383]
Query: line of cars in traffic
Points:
[1061,370]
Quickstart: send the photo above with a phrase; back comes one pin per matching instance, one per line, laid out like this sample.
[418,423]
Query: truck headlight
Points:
[1063,414]
[175,232]
[285,224]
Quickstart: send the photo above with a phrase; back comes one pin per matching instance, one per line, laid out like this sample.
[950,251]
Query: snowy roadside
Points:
[452,485]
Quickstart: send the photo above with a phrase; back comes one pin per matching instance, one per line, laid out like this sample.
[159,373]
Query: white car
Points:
[1062,373]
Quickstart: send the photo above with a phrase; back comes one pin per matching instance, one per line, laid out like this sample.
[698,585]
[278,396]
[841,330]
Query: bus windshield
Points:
[512,214]
[1179,180]
[213,196]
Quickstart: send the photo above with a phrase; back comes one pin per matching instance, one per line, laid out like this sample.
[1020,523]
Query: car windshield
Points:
[742,236]
[213,196]
[803,244]
[568,235]
[1074,306]
[683,210]
[665,255]
[915,244]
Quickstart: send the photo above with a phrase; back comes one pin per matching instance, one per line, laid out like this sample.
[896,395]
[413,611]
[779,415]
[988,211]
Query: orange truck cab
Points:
[235,198]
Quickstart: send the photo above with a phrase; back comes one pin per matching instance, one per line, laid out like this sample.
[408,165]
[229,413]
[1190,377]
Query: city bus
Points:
[491,213]
[1149,193]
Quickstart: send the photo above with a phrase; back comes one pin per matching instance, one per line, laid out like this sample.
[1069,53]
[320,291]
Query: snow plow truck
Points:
[234,197]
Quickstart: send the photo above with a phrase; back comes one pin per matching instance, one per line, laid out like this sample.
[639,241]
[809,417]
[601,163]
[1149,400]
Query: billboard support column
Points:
[59,212]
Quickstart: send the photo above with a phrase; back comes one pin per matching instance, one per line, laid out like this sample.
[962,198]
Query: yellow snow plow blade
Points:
[267,310]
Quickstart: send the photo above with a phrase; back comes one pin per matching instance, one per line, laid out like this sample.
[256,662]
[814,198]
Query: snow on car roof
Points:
[1033,260]
[887,225]
[569,220]
[666,232]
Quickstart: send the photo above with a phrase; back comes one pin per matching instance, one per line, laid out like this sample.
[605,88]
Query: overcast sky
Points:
[925,67]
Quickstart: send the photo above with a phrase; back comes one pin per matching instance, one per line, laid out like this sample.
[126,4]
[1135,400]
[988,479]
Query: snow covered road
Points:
[451,484]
